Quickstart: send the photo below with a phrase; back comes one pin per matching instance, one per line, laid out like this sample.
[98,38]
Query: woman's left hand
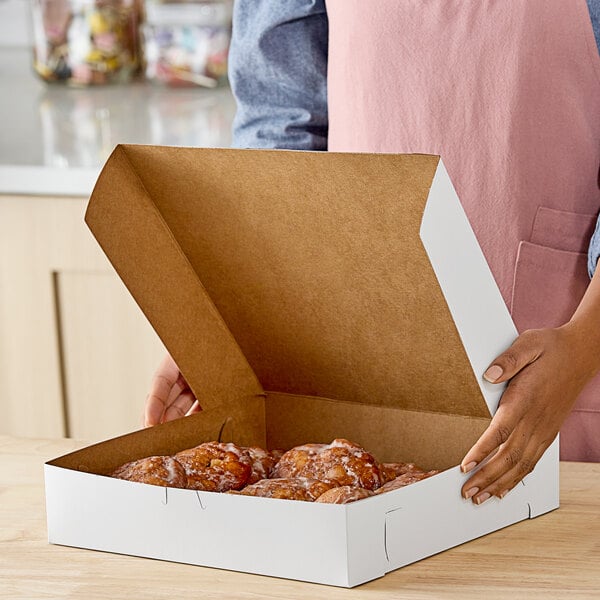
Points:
[547,369]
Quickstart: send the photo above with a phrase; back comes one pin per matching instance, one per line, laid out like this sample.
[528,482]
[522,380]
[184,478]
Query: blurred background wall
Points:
[76,353]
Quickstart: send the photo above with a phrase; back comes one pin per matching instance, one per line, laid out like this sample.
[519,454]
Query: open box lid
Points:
[353,277]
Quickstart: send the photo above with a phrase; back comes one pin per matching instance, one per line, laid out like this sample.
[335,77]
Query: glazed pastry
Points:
[300,488]
[404,480]
[277,454]
[155,470]
[341,471]
[341,463]
[390,471]
[292,462]
[344,494]
[216,467]
[261,461]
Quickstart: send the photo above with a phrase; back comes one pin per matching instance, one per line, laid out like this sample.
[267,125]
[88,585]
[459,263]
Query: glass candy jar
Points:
[186,42]
[86,42]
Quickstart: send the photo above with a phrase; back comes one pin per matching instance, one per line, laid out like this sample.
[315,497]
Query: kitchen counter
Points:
[555,556]
[54,139]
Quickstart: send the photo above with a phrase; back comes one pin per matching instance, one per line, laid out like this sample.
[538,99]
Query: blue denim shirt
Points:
[278,73]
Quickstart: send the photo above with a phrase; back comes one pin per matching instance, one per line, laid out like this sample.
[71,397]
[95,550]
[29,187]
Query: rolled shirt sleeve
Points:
[278,74]
[594,250]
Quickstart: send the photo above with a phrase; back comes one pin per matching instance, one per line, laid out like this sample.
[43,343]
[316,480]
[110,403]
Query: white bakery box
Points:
[305,296]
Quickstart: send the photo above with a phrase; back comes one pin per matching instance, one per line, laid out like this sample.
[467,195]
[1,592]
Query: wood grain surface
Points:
[554,556]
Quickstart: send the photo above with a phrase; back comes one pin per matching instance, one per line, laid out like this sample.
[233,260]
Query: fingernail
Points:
[469,467]
[493,373]
[470,493]
[502,494]
[482,498]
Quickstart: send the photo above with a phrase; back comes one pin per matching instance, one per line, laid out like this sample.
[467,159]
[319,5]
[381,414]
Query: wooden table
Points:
[554,556]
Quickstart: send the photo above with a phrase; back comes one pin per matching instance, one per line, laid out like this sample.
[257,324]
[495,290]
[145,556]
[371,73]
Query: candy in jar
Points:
[84,42]
[186,43]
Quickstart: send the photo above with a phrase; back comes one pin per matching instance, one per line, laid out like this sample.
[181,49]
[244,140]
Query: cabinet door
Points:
[76,353]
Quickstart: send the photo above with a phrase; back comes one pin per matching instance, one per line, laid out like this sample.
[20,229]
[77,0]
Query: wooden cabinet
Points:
[76,353]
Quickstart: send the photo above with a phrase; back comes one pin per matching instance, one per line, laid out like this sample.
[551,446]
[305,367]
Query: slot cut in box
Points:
[305,296]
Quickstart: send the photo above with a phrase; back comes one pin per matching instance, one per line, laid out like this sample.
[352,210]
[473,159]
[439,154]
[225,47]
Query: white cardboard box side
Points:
[395,529]
[351,544]
[479,312]
[543,493]
[294,540]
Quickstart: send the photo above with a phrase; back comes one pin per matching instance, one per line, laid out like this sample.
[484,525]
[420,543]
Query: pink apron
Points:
[508,93]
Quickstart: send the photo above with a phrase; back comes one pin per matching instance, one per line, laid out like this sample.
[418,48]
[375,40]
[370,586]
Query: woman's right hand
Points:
[170,396]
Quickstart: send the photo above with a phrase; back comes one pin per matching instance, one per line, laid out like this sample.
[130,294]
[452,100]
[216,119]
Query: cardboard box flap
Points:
[132,232]
[244,421]
[304,269]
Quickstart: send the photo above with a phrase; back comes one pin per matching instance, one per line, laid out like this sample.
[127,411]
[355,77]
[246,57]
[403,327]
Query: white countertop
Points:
[55,139]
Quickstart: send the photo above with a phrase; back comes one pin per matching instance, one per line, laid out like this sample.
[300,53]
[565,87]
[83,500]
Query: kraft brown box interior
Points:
[298,295]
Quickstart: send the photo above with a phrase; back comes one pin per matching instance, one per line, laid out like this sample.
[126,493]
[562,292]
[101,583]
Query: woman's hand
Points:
[170,396]
[547,369]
